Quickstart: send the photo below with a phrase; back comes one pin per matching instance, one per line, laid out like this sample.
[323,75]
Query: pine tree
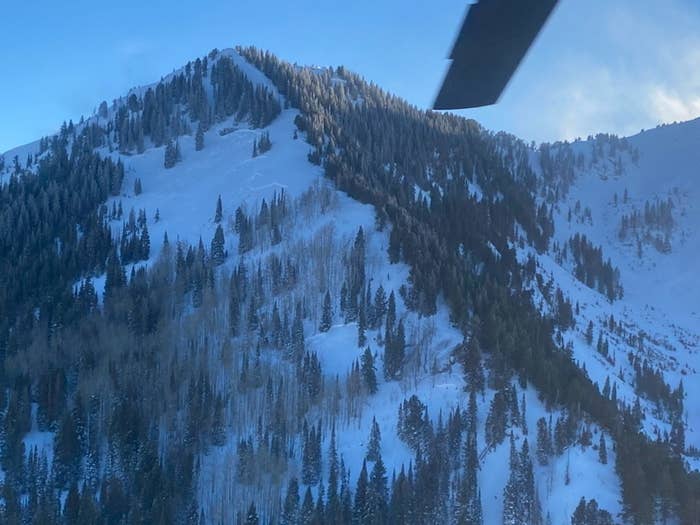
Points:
[326,315]
[544,442]
[172,154]
[138,189]
[218,429]
[307,508]
[473,368]
[311,455]
[297,340]
[589,333]
[334,506]
[71,509]
[290,509]
[511,492]
[394,246]
[145,243]
[369,374]
[602,450]
[380,305]
[677,436]
[360,509]
[219,214]
[394,342]
[527,498]
[377,495]
[218,254]
[375,439]
[252,515]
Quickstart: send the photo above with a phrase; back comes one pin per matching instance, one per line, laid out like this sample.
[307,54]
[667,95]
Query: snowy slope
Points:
[185,197]
[661,288]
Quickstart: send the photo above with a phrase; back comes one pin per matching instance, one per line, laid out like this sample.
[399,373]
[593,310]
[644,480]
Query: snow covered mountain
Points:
[256,327]
[636,198]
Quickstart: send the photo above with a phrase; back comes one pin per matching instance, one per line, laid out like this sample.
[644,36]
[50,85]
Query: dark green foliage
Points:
[544,442]
[590,514]
[290,509]
[218,251]
[311,377]
[219,213]
[413,426]
[394,342]
[473,367]
[602,450]
[360,511]
[326,314]
[262,145]
[172,154]
[374,446]
[377,495]
[251,517]
[369,373]
[311,455]
[592,270]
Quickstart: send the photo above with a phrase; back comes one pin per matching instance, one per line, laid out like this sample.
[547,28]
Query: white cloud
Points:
[633,65]
[667,106]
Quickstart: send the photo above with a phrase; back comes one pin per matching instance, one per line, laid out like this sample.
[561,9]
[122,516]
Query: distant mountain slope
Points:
[637,199]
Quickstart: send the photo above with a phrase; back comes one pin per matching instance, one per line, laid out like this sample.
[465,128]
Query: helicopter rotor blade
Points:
[494,39]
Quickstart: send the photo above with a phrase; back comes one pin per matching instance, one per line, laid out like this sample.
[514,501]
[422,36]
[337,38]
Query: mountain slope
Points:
[651,181]
[222,359]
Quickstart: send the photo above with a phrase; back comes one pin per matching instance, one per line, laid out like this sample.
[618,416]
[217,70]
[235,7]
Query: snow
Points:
[41,441]
[661,290]
[186,194]
[185,197]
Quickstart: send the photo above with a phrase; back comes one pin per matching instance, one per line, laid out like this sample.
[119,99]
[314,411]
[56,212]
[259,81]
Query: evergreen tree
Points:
[527,498]
[307,508]
[290,509]
[468,510]
[218,429]
[544,442]
[473,368]
[374,444]
[218,253]
[219,213]
[394,345]
[172,154]
[311,455]
[369,374]
[380,306]
[145,243]
[360,510]
[602,450]
[297,339]
[326,315]
[511,492]
[252,515]
[334,505]
[377,495]
[67,453]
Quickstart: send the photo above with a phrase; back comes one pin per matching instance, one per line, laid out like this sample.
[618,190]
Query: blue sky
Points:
[600,65]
